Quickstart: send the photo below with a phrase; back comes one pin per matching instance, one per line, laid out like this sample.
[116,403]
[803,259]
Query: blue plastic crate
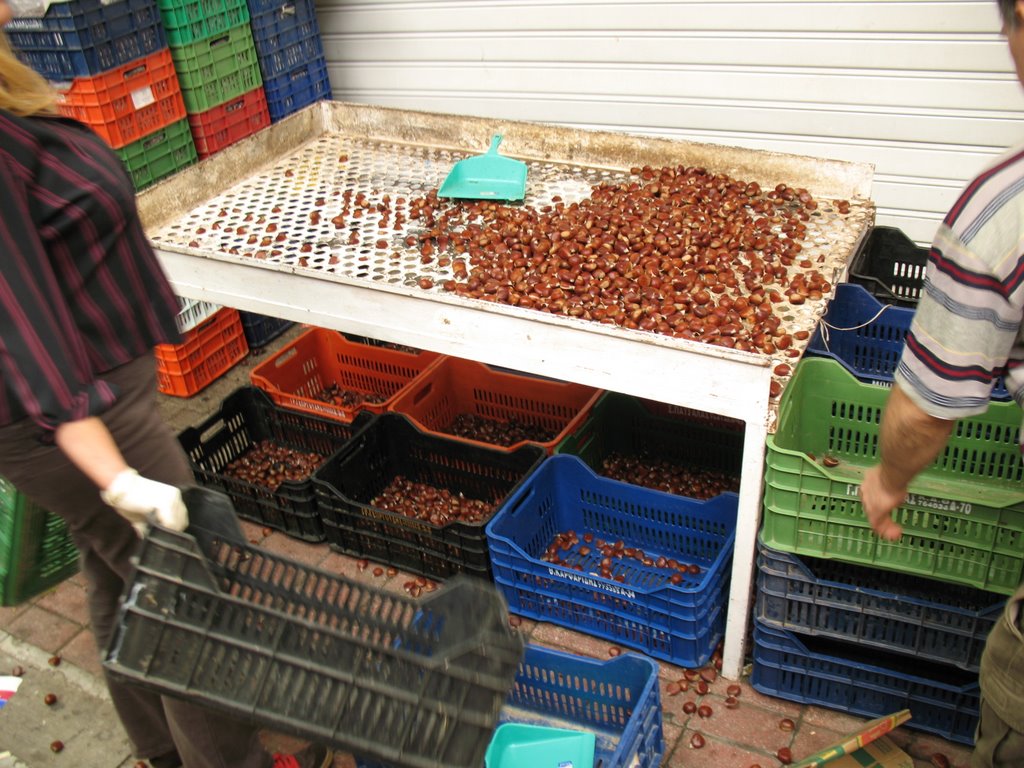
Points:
[286,37]
[866,337]
[81,38]
[680,623]
[260,330]
[866,682]
[896,612]
[291,91]
[617,700]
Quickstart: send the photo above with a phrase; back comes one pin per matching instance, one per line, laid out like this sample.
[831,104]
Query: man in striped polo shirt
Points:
[968,329]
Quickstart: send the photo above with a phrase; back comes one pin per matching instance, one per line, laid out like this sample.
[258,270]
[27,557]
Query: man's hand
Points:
[135,497]
[879,502]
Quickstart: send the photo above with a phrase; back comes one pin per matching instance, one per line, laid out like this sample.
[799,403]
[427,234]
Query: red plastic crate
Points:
[320,357]
[232,121]
[455,386]
[129,102]
[209,350]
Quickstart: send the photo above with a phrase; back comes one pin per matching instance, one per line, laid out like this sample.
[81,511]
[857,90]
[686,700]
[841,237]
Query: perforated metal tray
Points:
[253,202]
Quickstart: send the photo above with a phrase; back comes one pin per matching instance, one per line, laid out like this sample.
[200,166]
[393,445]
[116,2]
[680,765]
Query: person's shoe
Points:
[311,756]
[170,760]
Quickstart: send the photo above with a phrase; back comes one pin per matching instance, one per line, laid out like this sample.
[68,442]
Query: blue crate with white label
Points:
[865,681]
[82,38]
[645,600]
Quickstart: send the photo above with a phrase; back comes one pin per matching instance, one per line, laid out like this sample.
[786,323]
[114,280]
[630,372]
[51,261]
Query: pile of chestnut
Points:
[496,431]
[611,560]
[663,475]
[678,250]
[269,464]
[437,506]
[348,398]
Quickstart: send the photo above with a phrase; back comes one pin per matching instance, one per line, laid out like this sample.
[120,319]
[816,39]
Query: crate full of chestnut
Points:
[264,456]
[626,439]
[416,500]
[642,568]
[490,408]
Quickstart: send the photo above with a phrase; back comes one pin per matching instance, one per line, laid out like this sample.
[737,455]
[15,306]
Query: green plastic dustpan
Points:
[517,745]
[486,177]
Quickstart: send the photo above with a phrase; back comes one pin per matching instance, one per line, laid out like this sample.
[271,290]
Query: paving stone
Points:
[43,629]
[716,753]
[81,651]
[749,725]
[304,552]
[68,599]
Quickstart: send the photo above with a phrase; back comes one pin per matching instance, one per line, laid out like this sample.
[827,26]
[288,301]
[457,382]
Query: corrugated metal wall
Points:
[923,90]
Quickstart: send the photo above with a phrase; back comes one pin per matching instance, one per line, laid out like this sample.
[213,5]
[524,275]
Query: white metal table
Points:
[352,286]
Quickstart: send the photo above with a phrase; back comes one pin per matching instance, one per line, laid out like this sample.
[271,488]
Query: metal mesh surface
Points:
[268,215]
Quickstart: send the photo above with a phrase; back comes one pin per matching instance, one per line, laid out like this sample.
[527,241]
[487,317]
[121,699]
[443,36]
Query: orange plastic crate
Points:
[209,350]
[232,121]
[456,386]
[129,102]
[321,357]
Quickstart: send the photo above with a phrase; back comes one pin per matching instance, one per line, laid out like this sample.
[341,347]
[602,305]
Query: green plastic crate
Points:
[36,551]
[624,425]
[218,68]
[963,520]
[159,154]
[188,21]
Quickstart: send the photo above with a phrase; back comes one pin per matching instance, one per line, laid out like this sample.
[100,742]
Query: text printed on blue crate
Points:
[620,591]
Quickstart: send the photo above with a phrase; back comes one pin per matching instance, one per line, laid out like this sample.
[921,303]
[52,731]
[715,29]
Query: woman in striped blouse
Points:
[82,303]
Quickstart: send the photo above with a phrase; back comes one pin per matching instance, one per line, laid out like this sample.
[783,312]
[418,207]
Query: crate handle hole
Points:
[423,393]
[285,357]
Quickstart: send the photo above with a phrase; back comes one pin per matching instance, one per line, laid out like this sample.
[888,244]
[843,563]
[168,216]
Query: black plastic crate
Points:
[244,418]
[412,682]
[895,612]
[260,330]
[621,425]
[891,266]
[391,446]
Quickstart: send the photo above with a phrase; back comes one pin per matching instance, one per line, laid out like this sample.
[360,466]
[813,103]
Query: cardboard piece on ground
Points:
[867,748]
[880,753]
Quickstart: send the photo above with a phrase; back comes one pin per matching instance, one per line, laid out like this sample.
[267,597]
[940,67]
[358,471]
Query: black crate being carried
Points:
[417,683]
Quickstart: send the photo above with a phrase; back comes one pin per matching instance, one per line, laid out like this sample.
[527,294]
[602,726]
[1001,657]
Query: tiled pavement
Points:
[56,624]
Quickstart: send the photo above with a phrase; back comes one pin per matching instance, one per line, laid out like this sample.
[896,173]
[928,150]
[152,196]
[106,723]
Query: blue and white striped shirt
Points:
[967,328]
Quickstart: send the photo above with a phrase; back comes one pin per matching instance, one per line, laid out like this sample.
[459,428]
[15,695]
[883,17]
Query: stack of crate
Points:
[212,48]
[291,54]
[843,618]
[111,63]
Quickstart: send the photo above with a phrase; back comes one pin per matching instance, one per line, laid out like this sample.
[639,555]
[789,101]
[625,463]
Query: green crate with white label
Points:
[963,520]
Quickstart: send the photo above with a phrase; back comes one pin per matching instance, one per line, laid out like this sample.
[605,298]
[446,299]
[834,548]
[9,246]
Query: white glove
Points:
[135,498]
